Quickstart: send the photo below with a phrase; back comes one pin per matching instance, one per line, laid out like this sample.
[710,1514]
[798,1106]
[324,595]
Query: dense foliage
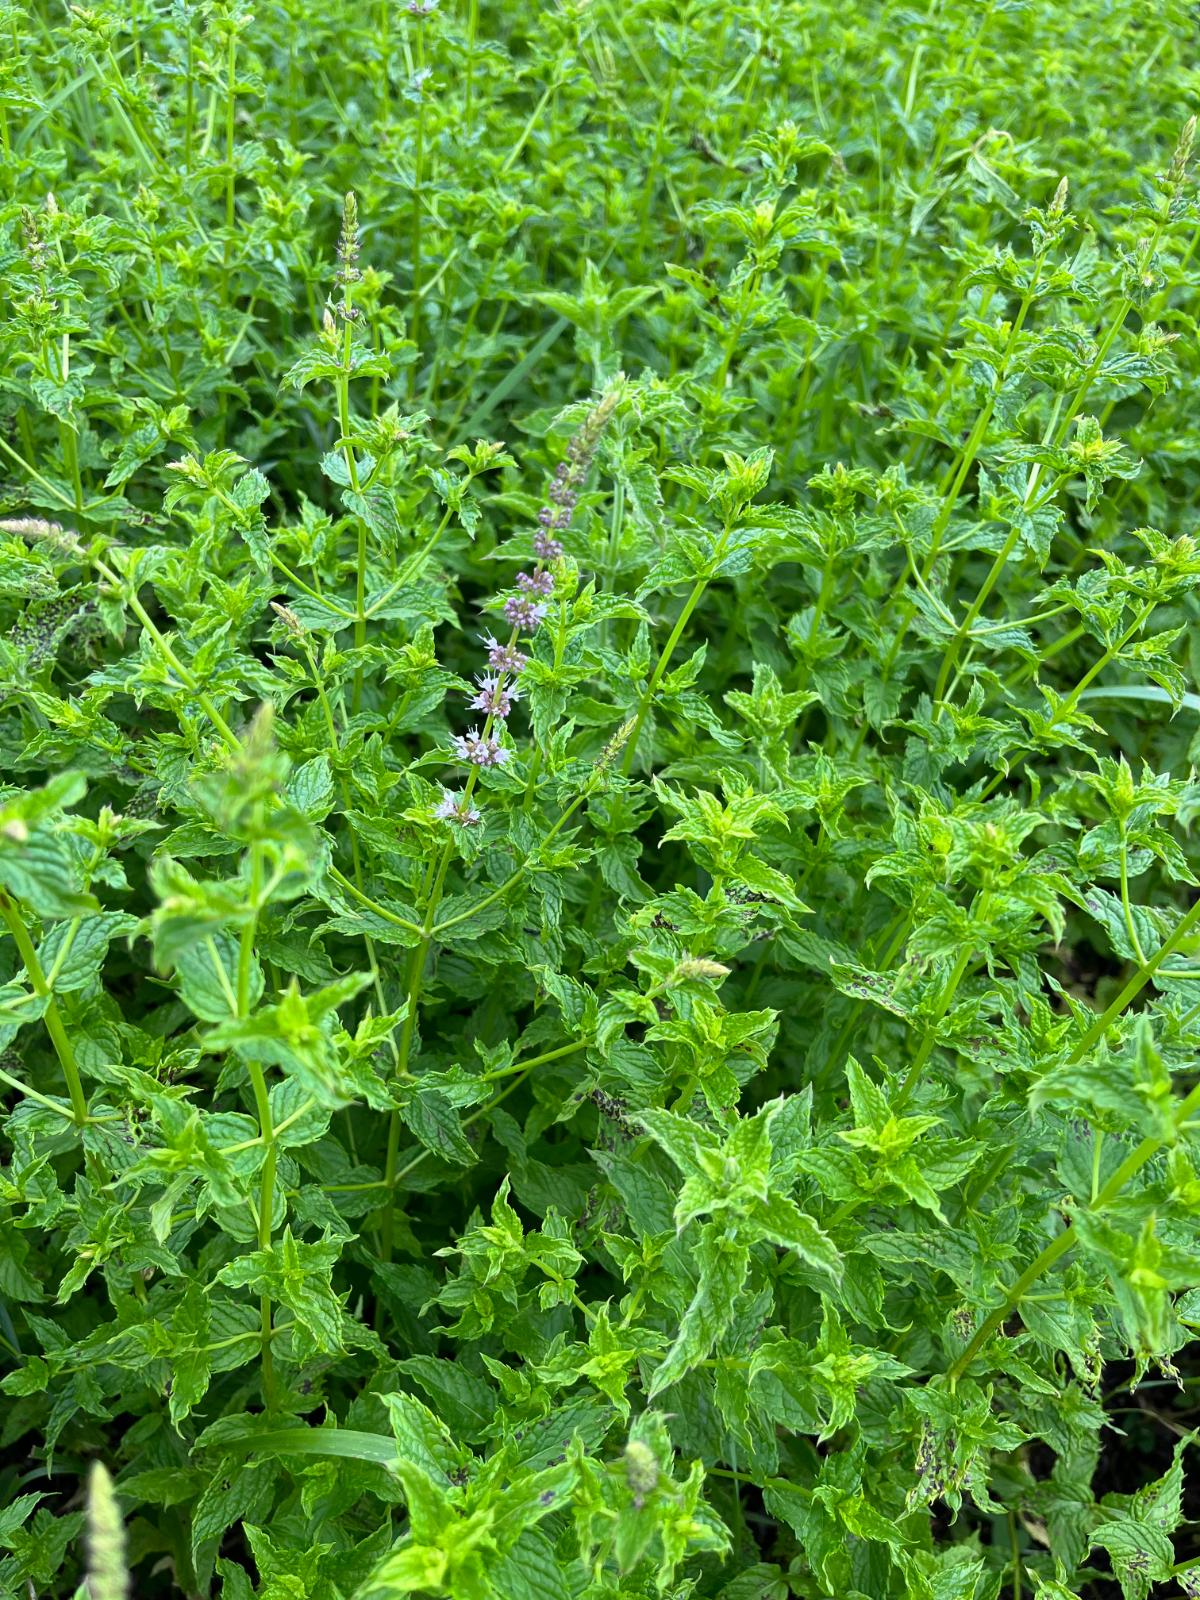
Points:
[597,704]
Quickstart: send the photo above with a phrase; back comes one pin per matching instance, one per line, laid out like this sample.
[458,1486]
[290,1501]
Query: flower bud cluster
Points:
[497,690]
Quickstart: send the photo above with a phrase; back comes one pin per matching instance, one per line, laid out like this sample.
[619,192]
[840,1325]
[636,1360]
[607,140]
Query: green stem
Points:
[38,1099]
[313,594]
[189,115]
[335,752]
[360,562]
[1134,986]
[417,219]
[1126,907]
[51,1016]
[539,1061]
[416,978]
[230,108]
[1058,1247]
[1073,698]
[262,1101]
[664,660]
[480,905]
[1129,1168]
[385,87]
[980,426]
[352,888]
[913,1076]
[472,33]
[185,676]
[528,128]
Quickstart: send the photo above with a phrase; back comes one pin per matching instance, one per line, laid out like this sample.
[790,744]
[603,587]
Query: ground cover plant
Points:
[598,653]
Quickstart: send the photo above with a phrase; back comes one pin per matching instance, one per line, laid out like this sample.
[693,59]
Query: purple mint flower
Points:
[453,808]
[480,752]
[523,613]
[502,657]
[545,548]
[495,697]
[535,583]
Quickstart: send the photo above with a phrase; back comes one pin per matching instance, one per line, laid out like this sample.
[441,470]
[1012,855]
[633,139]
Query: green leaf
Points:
[722,1264]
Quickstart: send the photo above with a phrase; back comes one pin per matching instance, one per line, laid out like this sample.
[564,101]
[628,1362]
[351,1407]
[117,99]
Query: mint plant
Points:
[599,920]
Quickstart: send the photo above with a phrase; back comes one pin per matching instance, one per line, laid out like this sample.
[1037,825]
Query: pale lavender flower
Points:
[545,548]
[495,696]
[454,808]
[541,583]
[523,613]
[503,657]
[480,751]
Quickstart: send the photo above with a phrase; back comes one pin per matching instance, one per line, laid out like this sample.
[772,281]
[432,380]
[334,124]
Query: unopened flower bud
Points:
[641,1469]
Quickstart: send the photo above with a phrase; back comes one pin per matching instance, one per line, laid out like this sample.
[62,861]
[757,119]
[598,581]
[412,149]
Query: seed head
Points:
[37,529]
[693,967]
[347,273]
[1177,174]
[31,238]
[108,1576]
[290,620]
[616,744]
